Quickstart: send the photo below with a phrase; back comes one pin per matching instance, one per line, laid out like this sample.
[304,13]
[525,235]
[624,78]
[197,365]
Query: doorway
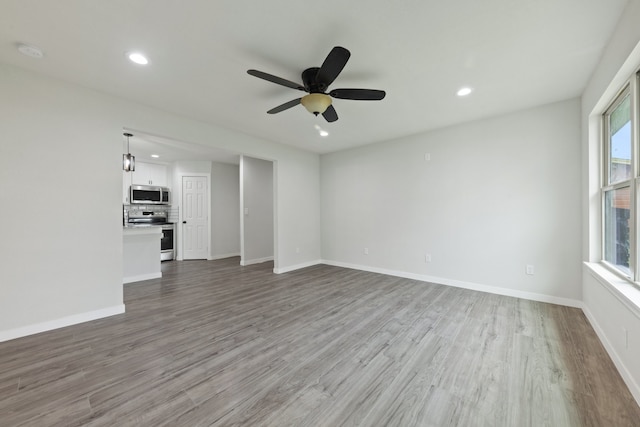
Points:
[195,217]
[257,241]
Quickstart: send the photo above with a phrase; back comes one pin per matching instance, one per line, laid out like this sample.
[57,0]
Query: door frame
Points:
[178,179]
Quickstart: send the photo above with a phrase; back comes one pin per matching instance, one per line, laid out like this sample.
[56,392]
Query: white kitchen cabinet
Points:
[149,174]
[141,253]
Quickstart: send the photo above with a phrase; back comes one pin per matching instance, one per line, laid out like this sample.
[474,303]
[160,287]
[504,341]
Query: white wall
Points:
[297,207]
[496,195]
[58,148]
[183,167]
[256,195]
[616,319]
[609,312]
[225,207]
[64,143]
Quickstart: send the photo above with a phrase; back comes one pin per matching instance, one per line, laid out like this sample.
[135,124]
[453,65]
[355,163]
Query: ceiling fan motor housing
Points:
[309,79]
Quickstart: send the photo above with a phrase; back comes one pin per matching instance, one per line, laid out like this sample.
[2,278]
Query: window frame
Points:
[617,100]
[631,88]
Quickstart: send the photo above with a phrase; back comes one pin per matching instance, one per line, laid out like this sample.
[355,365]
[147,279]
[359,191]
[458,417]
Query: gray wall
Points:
[495,196]
[225,207]
[257,210]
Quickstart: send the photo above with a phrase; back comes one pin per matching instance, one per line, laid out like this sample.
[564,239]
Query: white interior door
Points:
[195,217]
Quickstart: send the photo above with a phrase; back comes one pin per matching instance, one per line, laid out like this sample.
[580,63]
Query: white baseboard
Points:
[141,277]
[223,256]
[634,388]
[461,284]
[255,261]
[246,262]
[296,267]
[60,323]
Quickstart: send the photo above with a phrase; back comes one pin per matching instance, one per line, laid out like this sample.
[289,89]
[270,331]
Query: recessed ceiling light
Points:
[464,91]
[138,58]
[31,51]
[155,156]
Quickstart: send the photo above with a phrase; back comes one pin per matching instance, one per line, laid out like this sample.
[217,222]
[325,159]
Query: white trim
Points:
[223,256]
[276,245]
[621,289]
[141,277]
[255,261]
[622,369]
[466,285]
[296,267]
[241,183]
[60,323]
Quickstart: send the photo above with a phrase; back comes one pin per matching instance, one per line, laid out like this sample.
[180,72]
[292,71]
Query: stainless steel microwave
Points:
[149,195]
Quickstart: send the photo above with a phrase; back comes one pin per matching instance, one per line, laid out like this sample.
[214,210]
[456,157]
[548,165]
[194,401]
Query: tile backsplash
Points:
[172,212]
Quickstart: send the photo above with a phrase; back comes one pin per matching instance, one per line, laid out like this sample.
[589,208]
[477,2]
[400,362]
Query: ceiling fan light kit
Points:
[316,103]
[316,80]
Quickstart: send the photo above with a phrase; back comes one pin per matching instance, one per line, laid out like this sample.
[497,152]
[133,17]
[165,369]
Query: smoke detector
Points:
[30,50]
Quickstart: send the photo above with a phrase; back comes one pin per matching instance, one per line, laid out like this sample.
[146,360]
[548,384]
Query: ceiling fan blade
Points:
[330,114]
[358,94]
[332,66]
[284,106]
[275,79]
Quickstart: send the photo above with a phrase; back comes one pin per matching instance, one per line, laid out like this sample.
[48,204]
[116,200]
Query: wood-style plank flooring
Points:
[213,343]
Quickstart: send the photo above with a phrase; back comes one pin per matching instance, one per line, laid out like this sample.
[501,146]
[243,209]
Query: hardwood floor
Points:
[213,343]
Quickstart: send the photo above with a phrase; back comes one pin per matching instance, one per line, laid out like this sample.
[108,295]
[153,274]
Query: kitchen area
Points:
[184,201]
[149,221]
[180,201]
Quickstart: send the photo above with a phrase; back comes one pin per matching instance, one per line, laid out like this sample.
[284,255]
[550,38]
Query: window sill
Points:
[621,288]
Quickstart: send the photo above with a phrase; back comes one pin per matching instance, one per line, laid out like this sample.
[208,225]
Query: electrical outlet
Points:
[297,250]
[427,157]
[427,257]
[366,251]
[530,270]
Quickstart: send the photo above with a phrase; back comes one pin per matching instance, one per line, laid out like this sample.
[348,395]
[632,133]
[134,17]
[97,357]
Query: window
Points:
[621,183]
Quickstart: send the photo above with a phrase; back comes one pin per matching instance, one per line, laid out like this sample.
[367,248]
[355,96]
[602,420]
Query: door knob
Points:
[184,222]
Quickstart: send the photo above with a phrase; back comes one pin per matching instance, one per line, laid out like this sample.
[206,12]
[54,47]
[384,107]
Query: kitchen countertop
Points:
[130,230]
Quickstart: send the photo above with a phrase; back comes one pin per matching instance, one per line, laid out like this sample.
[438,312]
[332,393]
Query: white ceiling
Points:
[515,54]
[155,149]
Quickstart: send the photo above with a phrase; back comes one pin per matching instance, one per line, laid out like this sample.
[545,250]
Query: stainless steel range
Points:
[148,218]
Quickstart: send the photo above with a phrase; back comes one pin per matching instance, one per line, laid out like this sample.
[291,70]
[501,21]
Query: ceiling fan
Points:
[316,81]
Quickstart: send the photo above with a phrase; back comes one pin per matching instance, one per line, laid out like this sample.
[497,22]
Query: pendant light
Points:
[128,160]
